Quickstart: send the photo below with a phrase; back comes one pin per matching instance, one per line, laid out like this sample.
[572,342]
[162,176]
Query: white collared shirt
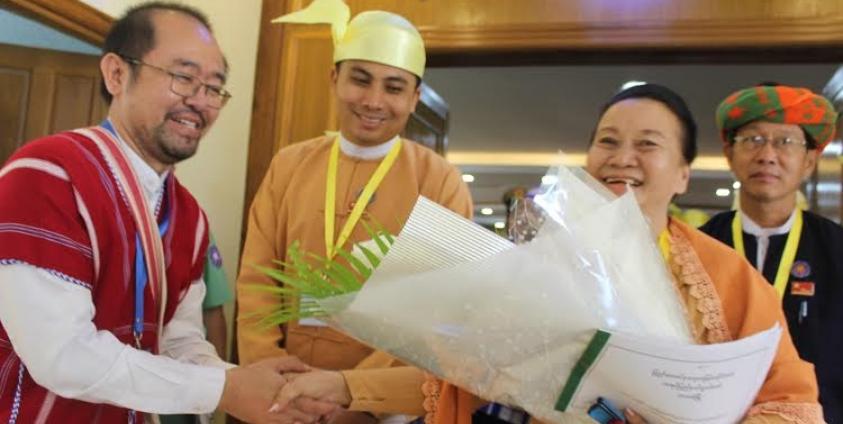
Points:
[50,325]
[762,236]
[366,152]
[152,183]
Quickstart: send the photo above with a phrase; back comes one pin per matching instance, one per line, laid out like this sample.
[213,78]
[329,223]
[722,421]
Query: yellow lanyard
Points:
[362,200]
[664,245]
[788,256]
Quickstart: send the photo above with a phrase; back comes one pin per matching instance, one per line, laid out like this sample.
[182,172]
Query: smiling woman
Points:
[645,139]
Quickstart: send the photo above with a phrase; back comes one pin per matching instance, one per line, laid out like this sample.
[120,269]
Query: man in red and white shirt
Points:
[83,337]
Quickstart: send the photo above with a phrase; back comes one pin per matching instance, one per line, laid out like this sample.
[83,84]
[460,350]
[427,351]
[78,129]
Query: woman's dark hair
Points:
[133,35]
[672,101]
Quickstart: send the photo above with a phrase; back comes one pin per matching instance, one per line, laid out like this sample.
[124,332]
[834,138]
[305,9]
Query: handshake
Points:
[284,390]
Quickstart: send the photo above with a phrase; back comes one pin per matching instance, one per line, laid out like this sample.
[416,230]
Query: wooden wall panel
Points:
[39,115]
[13,99]
[500,25]
[62,89]
[99,108]
[466,13]
[70,16]
[307,107]
[71,102]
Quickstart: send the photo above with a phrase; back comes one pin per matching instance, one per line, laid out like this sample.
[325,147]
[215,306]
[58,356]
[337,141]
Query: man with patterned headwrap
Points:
[319,192]
[772,137]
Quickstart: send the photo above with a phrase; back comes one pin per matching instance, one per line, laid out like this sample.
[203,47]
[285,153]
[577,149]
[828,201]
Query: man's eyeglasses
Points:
[755,142]
[187,85]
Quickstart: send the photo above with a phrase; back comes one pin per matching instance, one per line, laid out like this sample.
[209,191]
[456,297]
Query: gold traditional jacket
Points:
[290,206]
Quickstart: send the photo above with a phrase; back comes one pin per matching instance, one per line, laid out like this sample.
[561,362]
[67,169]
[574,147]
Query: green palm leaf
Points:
[307,277]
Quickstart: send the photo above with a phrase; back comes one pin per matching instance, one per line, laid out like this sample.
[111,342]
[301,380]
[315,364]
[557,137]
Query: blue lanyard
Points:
[109,127]
[140,272]
[141,279]
[140,263]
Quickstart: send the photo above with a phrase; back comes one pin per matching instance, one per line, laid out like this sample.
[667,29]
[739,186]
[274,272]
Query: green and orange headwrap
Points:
[779,104]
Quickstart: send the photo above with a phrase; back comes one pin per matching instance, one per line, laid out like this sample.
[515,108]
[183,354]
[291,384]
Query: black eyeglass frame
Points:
[180,81]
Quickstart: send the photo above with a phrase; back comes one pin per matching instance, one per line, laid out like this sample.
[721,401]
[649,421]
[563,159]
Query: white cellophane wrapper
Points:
[508,322]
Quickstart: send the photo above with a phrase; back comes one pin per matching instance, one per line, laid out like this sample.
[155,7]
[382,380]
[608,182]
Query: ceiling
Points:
[507,123]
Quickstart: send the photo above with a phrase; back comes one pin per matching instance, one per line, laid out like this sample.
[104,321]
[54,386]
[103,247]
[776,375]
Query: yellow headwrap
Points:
[375,35]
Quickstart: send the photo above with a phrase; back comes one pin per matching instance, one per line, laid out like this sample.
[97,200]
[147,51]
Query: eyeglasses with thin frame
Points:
[755,142]
[187,85]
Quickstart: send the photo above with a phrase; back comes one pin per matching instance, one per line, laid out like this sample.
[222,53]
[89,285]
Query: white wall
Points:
[217,174]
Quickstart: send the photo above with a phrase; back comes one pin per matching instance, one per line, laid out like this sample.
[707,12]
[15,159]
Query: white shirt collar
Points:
[762,236]
[366,152]
[753,228]
[152,183]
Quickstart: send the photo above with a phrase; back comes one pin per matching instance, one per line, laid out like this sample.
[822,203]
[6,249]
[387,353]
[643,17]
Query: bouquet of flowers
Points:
[506,322]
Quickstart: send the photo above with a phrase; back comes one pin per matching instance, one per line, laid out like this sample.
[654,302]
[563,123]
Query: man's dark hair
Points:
[133,35]
[674,102]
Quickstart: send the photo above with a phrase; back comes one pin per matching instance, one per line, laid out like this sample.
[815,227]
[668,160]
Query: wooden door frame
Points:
[70,16]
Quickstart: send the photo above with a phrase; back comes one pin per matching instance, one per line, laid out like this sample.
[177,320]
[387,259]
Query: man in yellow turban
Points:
[320,192]
[772,136]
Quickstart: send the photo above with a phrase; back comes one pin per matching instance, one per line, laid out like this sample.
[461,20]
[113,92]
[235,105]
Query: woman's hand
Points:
[320,385]
[632,417]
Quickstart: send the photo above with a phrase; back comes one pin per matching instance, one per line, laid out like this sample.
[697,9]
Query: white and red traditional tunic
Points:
[67,292]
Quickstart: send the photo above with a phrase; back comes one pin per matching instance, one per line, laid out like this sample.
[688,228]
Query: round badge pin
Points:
[800,269]
[216,258]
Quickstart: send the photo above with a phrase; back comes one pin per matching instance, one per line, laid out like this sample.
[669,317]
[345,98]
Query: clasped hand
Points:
[284,391]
